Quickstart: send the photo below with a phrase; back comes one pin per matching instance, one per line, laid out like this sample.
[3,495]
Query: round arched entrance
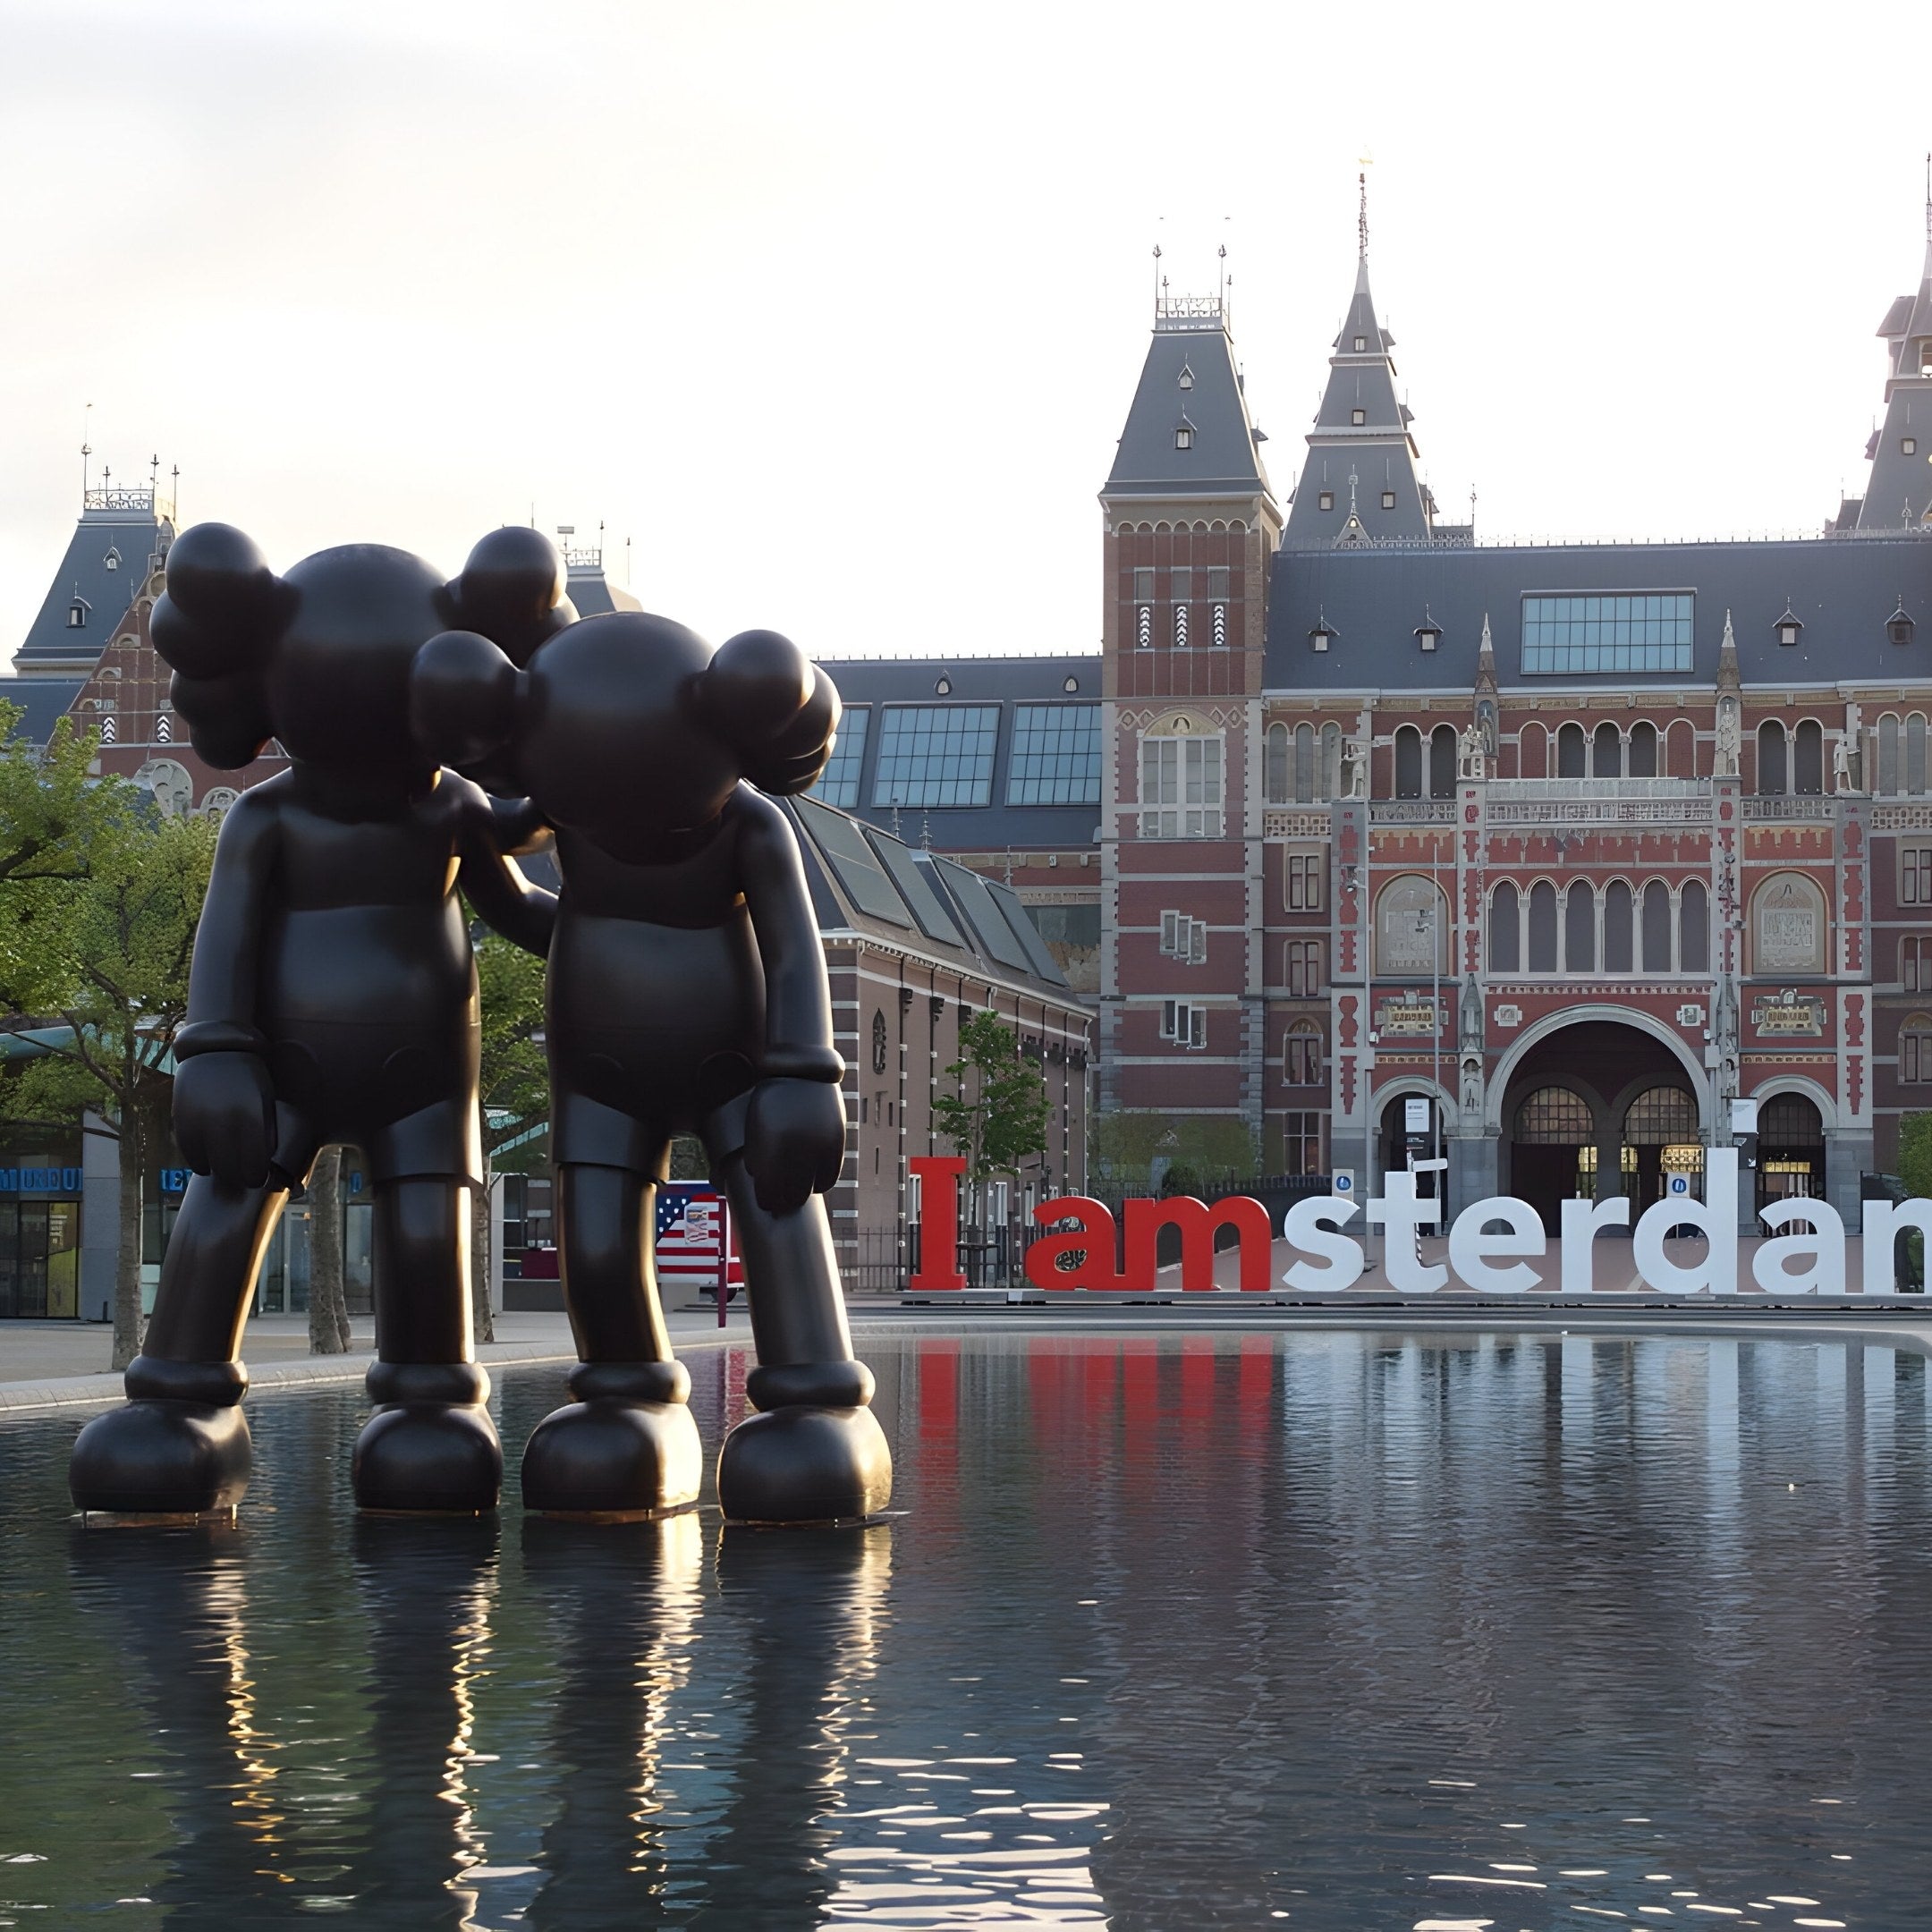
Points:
[1791,1149]
[1596,1108]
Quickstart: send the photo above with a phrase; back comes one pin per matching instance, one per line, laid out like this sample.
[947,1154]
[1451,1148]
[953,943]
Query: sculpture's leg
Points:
[180,1446]
[815,1452]
[430,1444]
[627,1446]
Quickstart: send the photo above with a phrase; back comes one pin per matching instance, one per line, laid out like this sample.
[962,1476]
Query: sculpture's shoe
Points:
[612,1457]
[162,1457]
[429,1456]
[804,1463]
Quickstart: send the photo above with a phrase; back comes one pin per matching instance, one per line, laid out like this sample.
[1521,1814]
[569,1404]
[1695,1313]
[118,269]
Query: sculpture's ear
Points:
[223,608]
[228,719]
[464,697]
[774,706]
[510,591]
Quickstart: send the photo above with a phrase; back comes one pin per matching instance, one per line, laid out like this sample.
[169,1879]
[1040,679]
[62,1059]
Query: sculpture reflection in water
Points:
[176,1606]
[799,1623]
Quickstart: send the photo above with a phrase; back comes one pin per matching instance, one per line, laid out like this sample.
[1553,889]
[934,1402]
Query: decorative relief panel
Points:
[1788,926]
[1294,825]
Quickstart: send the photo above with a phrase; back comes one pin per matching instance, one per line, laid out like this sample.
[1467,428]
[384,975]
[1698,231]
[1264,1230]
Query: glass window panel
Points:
[1442,762]
[937,755]
[1408,762]
[1643,751]
[1771,759]
[1915,753]
[1579,929]
[1055,754]
[1808,760]
[1275,772]
[1570,752]
[1304,764]
[1606,752]
[838,783]
[1617,928]
[1543,927]
[1657,928]
[1565,635]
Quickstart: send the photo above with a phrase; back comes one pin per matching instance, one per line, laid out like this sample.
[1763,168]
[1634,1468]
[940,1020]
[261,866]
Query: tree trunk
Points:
[128,1322]
[482,1267]
[328,1301]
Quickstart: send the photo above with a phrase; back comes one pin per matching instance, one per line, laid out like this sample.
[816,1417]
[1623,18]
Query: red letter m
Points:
[1197,1222]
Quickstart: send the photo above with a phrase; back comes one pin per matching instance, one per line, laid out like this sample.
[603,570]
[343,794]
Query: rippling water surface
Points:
[1350,1631]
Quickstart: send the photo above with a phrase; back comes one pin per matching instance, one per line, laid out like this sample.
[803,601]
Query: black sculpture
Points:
[687,993]
[333,997]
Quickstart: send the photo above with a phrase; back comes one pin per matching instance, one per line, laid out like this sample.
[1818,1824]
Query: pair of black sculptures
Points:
[334,998]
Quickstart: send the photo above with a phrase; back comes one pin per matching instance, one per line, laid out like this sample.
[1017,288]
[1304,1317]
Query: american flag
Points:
[690,1232]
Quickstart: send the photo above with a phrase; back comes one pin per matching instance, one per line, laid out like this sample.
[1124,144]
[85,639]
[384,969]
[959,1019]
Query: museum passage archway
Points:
[1597,1109]
[1791,1149]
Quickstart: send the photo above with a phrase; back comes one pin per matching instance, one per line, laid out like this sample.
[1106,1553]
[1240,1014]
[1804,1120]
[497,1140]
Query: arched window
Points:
[1579,927]
[1505,929]
[1276,765]
[1331,761]
[1693,928]
[1442,761]
[1915,754]
[1657,925]
[1643,751]
[1808,760]
[1571,749]
[1888,754]
[1553,1116]
[879,1041]
[1661,1117]
[1790,1120]
[1606,751]
[1408,762]
[1771,759]
[1304,764]
[1409,912]
[1532,744]
[1301,1054]
[1542,926]
[1680,751]
[1915,1048]
[1180,783]
[1618,929]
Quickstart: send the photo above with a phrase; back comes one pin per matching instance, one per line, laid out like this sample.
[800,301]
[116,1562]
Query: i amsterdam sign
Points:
[1085,1248]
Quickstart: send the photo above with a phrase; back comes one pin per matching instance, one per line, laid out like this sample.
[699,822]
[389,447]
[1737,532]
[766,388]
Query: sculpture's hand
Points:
[794,1141]
[224,1116]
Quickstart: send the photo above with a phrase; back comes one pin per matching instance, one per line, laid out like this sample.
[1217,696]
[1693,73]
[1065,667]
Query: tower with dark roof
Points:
[1359,482]
[1191,530]
[1899,494]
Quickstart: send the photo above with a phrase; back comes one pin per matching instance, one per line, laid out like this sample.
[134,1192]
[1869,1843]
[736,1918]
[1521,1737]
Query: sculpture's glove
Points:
[794,1141]
[224,1116]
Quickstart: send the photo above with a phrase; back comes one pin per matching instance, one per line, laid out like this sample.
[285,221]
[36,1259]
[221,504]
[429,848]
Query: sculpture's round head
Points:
[627,726]
[320,658]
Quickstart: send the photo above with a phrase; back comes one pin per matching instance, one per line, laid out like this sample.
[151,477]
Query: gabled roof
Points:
[1189,382]
[1364,468]
[106,561]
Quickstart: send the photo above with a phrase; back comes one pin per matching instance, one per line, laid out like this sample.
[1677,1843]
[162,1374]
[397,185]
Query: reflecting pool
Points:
[1357,1631]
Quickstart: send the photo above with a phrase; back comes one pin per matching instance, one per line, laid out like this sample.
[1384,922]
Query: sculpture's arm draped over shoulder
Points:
[493,883]
[798,1006]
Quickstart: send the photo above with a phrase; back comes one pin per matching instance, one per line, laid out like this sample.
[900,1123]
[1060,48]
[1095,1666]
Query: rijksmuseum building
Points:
[1357,833]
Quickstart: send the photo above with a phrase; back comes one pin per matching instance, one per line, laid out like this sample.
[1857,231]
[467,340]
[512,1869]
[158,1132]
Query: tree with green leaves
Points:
[99,962]
[1915,1170]
[997,1114]
[515,1084]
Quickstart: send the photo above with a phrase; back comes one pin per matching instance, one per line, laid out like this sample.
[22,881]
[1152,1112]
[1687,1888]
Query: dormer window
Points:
[1187,377]
[1898,625]
[1358,417]
[1428,632]
[1789,627]
[112,561]
[1183,438]
[1322,635]
[77,614]
[1326,500]
[1388,499]
[1908,445]
[1361,344]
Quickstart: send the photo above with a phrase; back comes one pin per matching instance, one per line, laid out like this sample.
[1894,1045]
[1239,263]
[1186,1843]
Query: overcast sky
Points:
[835,310]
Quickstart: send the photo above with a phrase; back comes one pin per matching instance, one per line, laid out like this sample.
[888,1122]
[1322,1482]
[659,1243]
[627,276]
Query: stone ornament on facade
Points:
[1354,768]
[1472,752]
[173,788]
